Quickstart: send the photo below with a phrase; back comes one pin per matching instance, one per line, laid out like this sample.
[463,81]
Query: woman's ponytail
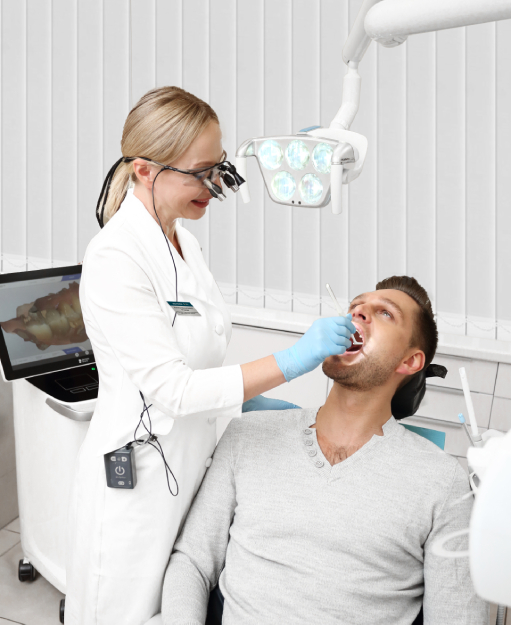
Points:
[118,189]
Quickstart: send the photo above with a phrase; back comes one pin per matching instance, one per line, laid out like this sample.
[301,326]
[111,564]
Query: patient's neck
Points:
[349,419]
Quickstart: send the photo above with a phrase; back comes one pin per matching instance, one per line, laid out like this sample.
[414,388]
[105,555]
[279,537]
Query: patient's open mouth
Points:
[359,339]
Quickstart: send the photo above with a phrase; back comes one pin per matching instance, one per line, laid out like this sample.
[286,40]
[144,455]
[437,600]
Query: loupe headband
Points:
[224,169]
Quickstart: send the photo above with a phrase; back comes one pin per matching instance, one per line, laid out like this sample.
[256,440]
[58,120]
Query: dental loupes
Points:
[340,312]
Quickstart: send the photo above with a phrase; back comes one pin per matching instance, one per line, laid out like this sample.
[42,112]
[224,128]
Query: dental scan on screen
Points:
[42,320]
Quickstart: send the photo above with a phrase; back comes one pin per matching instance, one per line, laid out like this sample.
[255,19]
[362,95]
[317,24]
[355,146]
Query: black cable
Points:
[167,468]
[165,237]
[151,440]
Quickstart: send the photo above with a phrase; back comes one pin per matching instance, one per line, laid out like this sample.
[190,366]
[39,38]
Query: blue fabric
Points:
[260,402]
[435,436]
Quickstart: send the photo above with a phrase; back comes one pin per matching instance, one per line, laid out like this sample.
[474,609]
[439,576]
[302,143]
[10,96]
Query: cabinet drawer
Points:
[481,374]
[445,403]
[503,385]
[501,414]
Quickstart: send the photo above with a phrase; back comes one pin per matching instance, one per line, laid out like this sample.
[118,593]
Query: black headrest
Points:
[407,399]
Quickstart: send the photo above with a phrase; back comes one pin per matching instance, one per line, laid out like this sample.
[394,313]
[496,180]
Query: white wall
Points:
[433,200]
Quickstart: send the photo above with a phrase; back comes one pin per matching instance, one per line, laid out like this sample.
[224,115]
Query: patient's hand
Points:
[55,319]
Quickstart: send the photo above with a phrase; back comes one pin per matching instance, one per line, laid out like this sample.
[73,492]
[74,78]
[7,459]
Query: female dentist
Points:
[162,384]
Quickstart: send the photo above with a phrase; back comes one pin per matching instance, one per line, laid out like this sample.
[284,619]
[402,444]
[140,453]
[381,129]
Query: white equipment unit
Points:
[46,354]
[48,434]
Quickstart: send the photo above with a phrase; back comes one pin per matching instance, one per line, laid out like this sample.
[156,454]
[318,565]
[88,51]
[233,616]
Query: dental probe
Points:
[476,437]
[339,310]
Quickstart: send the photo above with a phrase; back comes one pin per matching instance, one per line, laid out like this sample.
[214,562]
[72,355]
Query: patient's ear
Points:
[413,364]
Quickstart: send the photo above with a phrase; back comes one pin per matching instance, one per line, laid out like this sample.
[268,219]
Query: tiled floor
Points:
[37,602]
[28,603]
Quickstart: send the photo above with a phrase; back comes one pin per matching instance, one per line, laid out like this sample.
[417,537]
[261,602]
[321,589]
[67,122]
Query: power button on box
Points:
[120,468]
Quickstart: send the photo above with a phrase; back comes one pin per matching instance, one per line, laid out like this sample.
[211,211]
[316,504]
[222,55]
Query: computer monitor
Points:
[42,328]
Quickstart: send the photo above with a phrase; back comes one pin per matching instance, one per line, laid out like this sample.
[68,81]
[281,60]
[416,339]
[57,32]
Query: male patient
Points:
[329,516]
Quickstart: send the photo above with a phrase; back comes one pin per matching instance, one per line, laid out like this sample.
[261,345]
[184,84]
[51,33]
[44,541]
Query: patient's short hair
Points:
[425,333]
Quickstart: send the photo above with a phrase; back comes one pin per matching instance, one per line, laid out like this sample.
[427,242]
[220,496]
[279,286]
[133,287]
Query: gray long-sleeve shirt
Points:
[305,542]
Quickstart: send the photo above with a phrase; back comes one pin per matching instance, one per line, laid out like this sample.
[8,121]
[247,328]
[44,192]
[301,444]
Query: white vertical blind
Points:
[363,208]
[14,131]
[91,164]
[39,124]
[450,178]
[480,178]
[305,253]
[250,118]
[433,200]
[278,86]
[420,150]
[223,225]
[503,179]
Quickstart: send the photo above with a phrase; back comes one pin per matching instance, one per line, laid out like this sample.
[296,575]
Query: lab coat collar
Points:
[145,226]
[136,213]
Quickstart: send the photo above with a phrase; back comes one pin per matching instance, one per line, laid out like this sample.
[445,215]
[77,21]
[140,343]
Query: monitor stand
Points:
[70,385]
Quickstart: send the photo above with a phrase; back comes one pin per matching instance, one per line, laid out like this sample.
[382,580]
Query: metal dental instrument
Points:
[340,312]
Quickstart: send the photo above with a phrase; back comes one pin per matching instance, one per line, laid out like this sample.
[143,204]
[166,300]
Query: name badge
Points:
[184,308]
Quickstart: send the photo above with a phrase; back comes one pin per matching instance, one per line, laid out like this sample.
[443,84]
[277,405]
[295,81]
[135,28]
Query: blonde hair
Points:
[161,126]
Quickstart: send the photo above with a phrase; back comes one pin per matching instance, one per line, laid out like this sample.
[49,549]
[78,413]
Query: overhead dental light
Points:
[309,168]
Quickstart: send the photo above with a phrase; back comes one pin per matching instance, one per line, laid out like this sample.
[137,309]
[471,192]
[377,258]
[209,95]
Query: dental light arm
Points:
[291,173]
[400,18]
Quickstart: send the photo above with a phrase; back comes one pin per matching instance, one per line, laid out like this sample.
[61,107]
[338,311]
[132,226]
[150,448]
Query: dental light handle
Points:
[344,154]
[470,406]
[336,188]
[241,167]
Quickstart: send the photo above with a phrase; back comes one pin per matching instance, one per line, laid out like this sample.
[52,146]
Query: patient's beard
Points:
[369,373]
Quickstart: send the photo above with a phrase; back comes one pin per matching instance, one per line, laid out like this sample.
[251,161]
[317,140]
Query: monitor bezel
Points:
[23,276]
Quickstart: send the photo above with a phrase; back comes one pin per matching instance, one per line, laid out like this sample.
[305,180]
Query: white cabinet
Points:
[447,403]
[503,385]
[501,414]
[481,374]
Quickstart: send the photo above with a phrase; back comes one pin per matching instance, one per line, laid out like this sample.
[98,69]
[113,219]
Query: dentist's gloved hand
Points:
[259,402]
[327,336]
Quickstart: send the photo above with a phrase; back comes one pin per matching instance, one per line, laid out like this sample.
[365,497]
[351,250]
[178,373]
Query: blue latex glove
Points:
[327,336]
[259,402]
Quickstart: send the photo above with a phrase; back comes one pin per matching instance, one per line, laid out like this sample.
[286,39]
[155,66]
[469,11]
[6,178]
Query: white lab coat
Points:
[120,541]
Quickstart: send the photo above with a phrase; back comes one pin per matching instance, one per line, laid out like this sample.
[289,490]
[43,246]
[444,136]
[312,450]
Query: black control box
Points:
[120,468]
